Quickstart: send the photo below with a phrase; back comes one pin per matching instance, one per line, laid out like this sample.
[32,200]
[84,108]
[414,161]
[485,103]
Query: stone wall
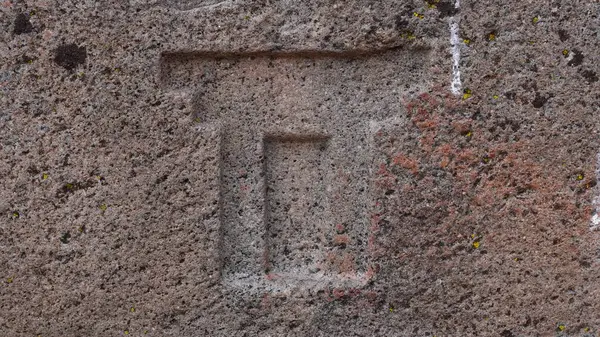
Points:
[299,168]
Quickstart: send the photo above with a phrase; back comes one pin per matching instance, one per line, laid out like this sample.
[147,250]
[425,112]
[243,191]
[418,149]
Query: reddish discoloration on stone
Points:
[341,240]
[407,163]
[491,188]
[342,263]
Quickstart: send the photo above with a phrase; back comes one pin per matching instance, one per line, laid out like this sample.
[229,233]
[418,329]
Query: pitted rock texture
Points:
[132,134]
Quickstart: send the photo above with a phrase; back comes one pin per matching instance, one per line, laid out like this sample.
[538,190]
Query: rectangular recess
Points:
[180,70]
[295,202]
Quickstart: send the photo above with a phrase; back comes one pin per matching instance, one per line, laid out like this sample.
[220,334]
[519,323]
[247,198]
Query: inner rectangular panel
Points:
[296,203]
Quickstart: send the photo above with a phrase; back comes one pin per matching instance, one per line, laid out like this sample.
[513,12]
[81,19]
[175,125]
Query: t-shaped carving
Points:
[295,156]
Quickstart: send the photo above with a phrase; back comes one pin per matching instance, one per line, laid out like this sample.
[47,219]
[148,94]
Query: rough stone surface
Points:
[298,168]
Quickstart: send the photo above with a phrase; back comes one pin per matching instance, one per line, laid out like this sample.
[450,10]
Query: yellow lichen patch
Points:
[9,280]
[431,4]
[418,15]
[467,93]
[579,176]
[408,35]
[126,332]
[467,41]
[103,207]
[132,309]
[45,176]
[561,327]
[16,215]
[491,36]
[496,96]
[476,244]
[469,134]
[565,52]
[535,19]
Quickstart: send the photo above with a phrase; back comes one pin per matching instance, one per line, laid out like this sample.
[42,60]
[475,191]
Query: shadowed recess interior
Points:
[295,202]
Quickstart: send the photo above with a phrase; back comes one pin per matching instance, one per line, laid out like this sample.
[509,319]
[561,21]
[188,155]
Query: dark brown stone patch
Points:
[70,56]
[22,24]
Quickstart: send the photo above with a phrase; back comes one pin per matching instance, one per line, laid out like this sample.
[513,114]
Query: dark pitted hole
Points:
[70,56]
[22,24]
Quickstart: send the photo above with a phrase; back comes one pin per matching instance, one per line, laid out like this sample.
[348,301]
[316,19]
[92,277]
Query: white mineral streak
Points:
[456,85]
[595,222]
